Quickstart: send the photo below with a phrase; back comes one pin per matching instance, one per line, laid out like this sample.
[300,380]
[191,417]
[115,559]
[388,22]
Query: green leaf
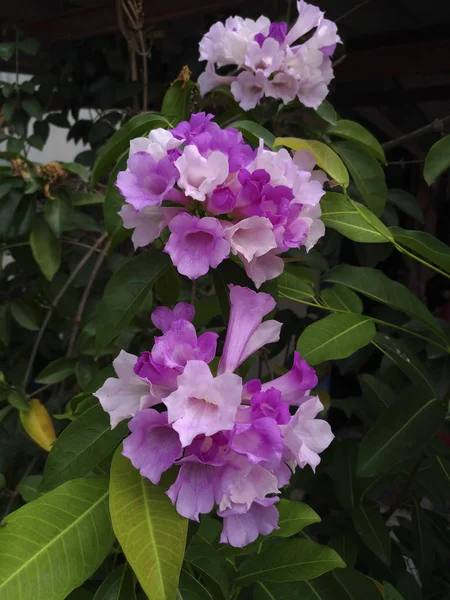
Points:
[326,157]
[6,50]
[113,203]
[28,488]
[296,283]
[321,588]
[45,247]
[5,324]
[353,220]
[57,371]
[25,314]
[294,560]
[400,431]
[370,527]
[33,107]
[341,299]
[216,571]
[377,286]
[149,529]
[350,130]
[376,393]
[336,336]
[190,588]
[294,516]
[58,212]
[86,199]
[253,132]
[175,104]
[76,169]
[345,456]
[424,244]
[355,585]
[125,292]
[327,112]
[18,400]
[407,203]
[29,45]
[366,173]
[422,537]
[390,593]
[52,545]
[119,585]
[119,142]
[81,447]
[437,160]
[168,287]
[347,546]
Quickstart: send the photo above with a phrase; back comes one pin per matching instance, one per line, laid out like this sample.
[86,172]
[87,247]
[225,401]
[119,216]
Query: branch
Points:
[55,303]
[437,126]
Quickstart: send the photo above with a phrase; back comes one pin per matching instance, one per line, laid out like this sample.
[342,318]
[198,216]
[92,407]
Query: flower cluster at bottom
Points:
[235,444]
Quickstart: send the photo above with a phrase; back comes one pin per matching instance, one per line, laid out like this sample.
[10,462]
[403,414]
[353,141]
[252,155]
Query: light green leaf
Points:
[25,314]
[119,142]
[76,169]
[341,299]
[422,537]
[366,173]
[149,529]
[125,292]
[113,203]
[326,157]
[52,545]
[327,112]
[377,286]
[57,371]
[175,104]
[370,527]
[119,585]
[424,244]
[407,203]
[28,488]
[294,560]
[294,516]
[81,447]
[350,130]
[437,160]
[336,336]
[32,107]
[390,593]
[45,247]
[296,283]
[253,132]
[400,431]
[58,212]
[353,220]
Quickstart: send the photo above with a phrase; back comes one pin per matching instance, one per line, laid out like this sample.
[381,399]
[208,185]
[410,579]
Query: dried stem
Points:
[437,126]
[352,10]
[55,303]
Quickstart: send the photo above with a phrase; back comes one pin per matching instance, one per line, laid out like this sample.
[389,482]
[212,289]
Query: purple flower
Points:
[251,237]
[263,268]
[180,344]
[194,489]
[153,445]
[162,317]
[162,379]
[198,175]
[248,88]
[196,244]
[278,31]
[221,201]
[147,181]
[296,384]
[147,223]
[240,529]
[261,441]
[269,404]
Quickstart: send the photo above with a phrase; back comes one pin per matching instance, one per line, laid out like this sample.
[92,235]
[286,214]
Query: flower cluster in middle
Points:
[235,444]
[218,197]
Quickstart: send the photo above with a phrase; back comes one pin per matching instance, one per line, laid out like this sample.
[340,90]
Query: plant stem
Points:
[400,496]
[16,491]
[437,125]
[403,250]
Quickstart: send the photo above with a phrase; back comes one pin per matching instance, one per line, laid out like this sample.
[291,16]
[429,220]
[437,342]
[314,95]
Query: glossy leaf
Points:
[327,112]
[113,203]
[350,130]
[437,160]
[45,247]
[341,299]
[424,244]
[336,336]
[296,284]
[82,445]
[377,286]
[118,585]
[400,431]
[370,527]
[25,314]
[118,143]
[125,292]
[353,220]
[52,545]
[149,529]
[326,157]
[253,132]
[57,371]
[294,560]
[294,516]
[422,537]
[366,173]
[175,104]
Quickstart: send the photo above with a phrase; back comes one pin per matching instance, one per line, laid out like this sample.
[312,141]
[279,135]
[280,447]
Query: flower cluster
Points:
[235,444]
[219,196]
[271,61]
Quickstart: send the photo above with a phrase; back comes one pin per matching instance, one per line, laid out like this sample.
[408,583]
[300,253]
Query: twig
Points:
[16,491]
[84,298]
[402,163]
[54,304]
[352,10]
[437,125]
[400,496]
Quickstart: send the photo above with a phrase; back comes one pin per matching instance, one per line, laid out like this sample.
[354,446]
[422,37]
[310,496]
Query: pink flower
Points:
[263,268]
[265,58]
[240,529]
[282,86]
[296,384]
[199,175]
[162,317]
[147,223]
[249,88]
[251,237]
[196,244]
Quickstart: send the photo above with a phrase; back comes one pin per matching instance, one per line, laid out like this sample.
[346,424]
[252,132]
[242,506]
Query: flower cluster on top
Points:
[271,61]
[235,444]
[224,197]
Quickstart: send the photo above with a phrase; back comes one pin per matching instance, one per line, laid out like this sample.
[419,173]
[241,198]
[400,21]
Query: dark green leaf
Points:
[294,516]
[168,287]
[25,314]
[119,142]
[76,169]
[33,107]
[85,199]
[407,203]
[390,593]
[119,585]
[6,50]
[253,132]
[190,588]
[376,393]
[353,220]
[45,247]
[296,284]
[5,324]
[175,104]
[8,110]
[345,456]
[366,173]
[206,309]
[347,546]
[18,400]
[422,536]
[355,585]
[57,371]
[295,560]
[336,336]
[370,527]
[125,292]
[350,130]
[113,203]
[437,160]
[341,299]
[215,570]
[320,588]
[36,141]
[81,447]
[28,488]
[52,545]
[424,244]
[327,112]
[29,45]
[58,212]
